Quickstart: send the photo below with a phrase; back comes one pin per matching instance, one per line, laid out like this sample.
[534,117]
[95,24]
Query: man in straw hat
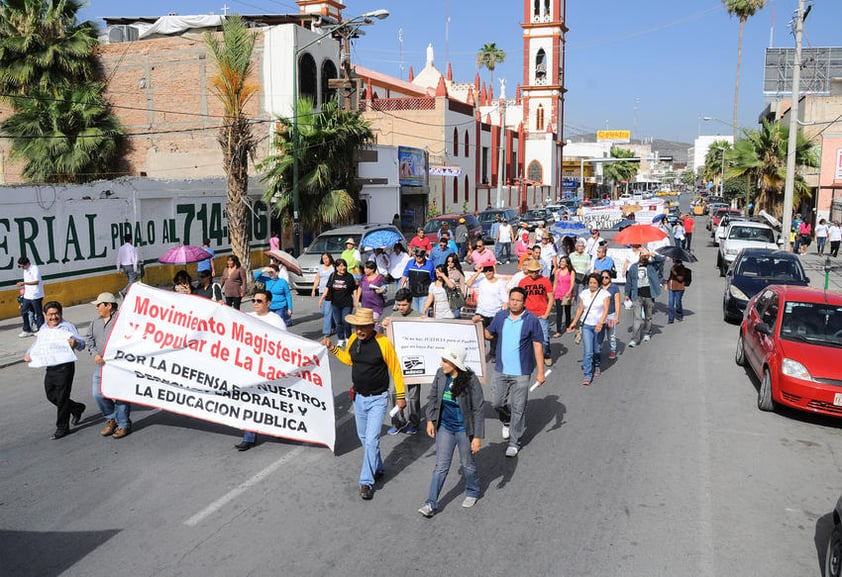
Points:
[372,358]
[116,413]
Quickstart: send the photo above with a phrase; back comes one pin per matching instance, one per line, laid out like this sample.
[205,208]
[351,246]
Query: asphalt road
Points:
[663,467]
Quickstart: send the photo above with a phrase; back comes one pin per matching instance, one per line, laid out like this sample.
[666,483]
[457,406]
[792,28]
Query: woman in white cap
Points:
[454,419]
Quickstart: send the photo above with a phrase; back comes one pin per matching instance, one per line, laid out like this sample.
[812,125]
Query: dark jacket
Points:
[470,403]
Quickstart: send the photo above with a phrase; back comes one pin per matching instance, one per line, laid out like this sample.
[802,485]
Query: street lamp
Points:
[355,22]
[709,118]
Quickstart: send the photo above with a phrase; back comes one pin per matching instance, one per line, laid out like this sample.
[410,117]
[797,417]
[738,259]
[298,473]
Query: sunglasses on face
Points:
[261,301]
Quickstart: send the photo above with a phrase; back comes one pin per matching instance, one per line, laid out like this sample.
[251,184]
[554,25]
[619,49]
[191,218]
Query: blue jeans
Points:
[418,304]
[249,437]
[283,312]
[609,330]
[592,353]
[327,318]
[505,247]
[132,274]
[676,309]
[820,240]
[34,306]
[446,441]
[368,414]
[509,394]
[343,329]
[545,326]
[119,411]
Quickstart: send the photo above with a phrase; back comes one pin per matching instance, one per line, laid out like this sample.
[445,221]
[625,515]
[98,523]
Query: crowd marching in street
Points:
[572,278]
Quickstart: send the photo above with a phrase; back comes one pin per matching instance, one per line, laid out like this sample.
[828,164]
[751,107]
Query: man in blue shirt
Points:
[417,276]
[519,351]
[439,253]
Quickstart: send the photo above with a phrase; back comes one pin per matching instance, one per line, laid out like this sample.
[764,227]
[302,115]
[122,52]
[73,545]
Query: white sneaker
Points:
[34,330]
[340,343]
[505,432]
[632,344]
[469,502]
[511,451]
[24,334]
[646,338]
[426,510]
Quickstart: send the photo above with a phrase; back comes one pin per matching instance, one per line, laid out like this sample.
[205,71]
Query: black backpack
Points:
[688,276]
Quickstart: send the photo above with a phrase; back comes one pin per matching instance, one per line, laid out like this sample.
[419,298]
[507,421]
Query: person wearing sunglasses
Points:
[261,301]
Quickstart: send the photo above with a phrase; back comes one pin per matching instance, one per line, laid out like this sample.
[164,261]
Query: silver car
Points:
[333,243]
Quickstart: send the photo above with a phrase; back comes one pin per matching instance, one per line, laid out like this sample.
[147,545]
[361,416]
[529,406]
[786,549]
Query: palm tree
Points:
[61,127]
[742,9]
[712,168]
[621,170]
[489,56]
[234,86]
[327,143]
[760,156]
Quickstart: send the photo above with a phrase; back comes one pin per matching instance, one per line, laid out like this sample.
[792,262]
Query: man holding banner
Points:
[372,359]
[53,349]
[116,413]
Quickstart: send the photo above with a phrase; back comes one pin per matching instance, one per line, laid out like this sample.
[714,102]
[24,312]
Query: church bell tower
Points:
[543,92]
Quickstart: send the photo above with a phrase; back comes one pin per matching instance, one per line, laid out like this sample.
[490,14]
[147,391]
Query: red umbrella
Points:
[639,234]
[184,254]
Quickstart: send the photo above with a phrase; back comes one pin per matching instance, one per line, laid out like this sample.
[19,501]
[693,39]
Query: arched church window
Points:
[328,73]
[540,66]
[307,78]
[537,7]
[546,7]
[455,190]
[467,187]
[467,145]
[539,118]
[455,142]
[534,172]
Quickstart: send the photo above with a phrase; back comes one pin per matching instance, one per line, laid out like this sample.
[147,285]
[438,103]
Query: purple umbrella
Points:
[184,254]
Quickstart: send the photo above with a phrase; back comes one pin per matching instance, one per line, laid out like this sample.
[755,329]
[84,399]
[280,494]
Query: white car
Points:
[722,227]
[743,234]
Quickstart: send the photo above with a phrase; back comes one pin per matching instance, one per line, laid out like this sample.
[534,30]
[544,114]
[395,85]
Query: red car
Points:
[431,229]
[791,338]
[717,216]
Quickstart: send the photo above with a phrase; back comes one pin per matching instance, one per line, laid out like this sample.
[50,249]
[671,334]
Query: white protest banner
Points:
[51,348]
[195,357]
[419,344]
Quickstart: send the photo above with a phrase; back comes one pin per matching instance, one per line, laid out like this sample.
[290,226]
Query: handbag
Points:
[455,298]
[580,277]
[577,338]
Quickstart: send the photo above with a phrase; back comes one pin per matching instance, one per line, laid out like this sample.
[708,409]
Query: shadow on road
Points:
[47,553]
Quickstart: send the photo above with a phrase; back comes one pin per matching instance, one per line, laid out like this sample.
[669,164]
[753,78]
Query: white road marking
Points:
[251,482]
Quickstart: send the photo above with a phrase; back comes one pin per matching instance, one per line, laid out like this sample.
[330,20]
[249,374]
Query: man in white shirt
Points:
[33,297]
[127,261]
[505,234]
[260,301]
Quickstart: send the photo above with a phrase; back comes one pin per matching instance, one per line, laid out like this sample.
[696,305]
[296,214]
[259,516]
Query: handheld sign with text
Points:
[196,357]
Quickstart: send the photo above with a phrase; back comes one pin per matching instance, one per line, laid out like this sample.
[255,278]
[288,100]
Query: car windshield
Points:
[816,323]
[330,243]
[435,225]
[489,216]
[534,214]
[752,233]
[780,268]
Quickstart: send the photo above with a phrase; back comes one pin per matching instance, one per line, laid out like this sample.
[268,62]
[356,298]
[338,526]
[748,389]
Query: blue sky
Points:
[676,58]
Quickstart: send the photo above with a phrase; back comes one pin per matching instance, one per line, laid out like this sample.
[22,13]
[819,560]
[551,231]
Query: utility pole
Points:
[789,183]
[502,172]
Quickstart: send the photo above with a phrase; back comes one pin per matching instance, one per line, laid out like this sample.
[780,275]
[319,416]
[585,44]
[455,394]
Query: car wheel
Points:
[740,355]
[764,394]
[833,559]
[722,268]
[303,292]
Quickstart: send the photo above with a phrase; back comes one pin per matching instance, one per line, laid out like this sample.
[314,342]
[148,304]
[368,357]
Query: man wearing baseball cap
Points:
[116,413]
[593,243]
